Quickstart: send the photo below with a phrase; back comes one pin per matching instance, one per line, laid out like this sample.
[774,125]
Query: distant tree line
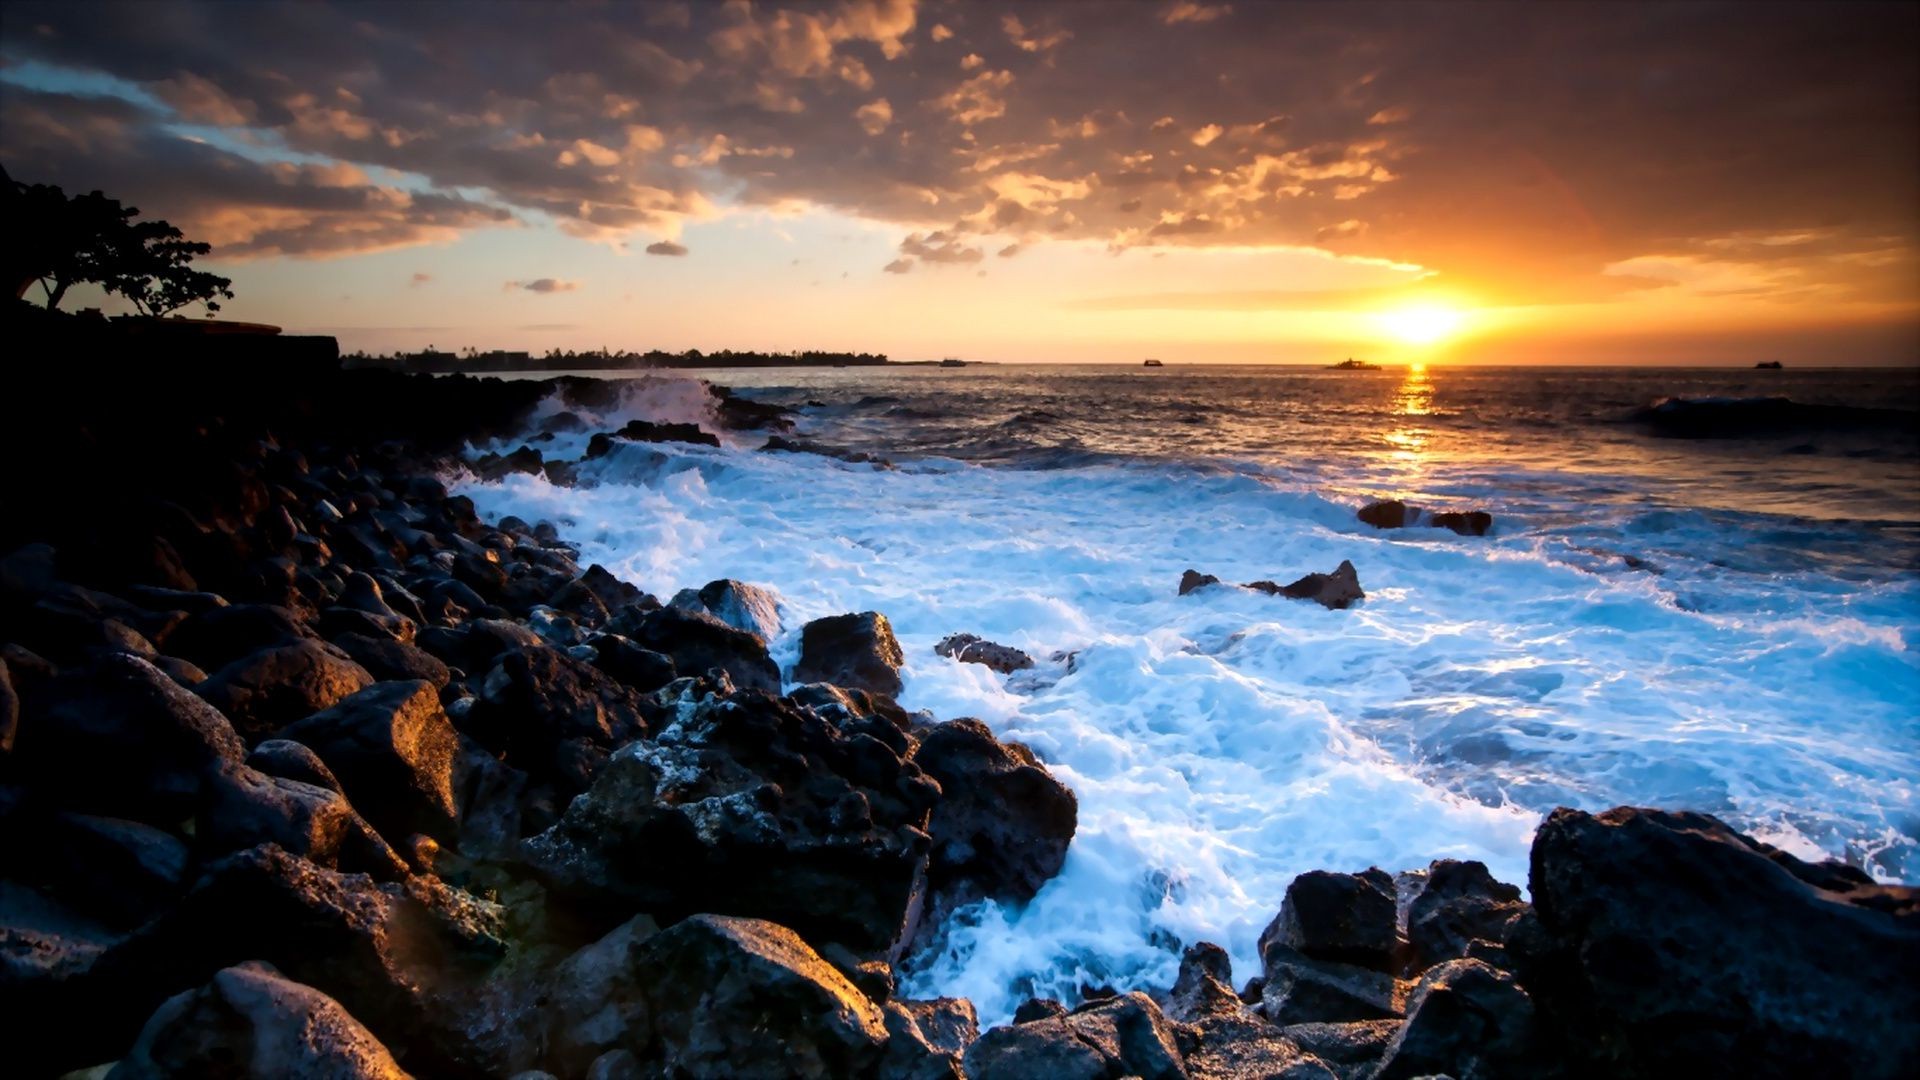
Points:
[473,360]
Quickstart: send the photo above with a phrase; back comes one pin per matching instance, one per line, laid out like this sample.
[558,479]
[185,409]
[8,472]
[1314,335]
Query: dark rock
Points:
[389,953]
[857,651]
[1232,1046]
[972,649]
[1394,514]
[613,592]
[1300,989]
[747,998]
[1352,1050]
[337,622]
[1336,590]
[272,688]
[926,1039]
[245,808]
[1459,903]
[949,1025]
[9,710]
[1665,944]
[388,660]
[474,646]
[536,698]
[597,999]
[873,978]
[1348,918]
[290,760]
[251,1021]
[180,671]
[649,431]
[117,871]
[1194,579]
[697,642]
[215,638]
[1120,1037]
[1204,986]
[1004,823]
[125,740]
[761,809]
[629,664]
[1466,1019]
[392,748]
[582,603]
[1038,1009]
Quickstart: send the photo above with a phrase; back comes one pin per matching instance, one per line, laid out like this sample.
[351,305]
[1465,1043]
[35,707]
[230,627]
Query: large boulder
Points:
[630,664]
[391,746]
[1458,904]
[290,760]
[927,1040]
[745,607]
[267,690]
[116,871]
[218,636]
[1466,1019]
[760,808]
[1222,1038]
[1349,918]
[747,998]
[536,698]
[596,1000]
[1003,823]
[697,642]
[245,808]
[1666,944]
[1123,1036]
[250,1021]
[124,739]
[857,651]
[394,955]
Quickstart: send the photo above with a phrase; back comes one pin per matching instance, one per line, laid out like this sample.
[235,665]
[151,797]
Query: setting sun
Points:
[1422,324]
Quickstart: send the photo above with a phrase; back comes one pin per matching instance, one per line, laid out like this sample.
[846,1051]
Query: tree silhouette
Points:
[59,242]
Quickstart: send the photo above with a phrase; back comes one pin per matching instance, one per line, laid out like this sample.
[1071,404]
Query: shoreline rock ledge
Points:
[307,770]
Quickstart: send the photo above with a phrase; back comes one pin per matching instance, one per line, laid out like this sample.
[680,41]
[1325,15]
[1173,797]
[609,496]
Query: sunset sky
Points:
[1239,181]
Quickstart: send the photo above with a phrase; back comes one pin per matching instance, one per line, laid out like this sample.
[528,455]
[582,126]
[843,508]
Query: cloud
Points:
[1187,11]
[939,247]
[420,277]
[898,266]
[666,247]
[1010,251]
[543,285]
[333,130]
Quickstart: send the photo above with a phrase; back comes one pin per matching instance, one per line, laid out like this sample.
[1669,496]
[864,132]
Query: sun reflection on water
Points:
[1412,398]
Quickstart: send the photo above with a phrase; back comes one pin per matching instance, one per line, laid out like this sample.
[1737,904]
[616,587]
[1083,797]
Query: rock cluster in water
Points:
[306,770]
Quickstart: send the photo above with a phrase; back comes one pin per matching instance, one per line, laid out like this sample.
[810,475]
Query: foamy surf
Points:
[1223,742]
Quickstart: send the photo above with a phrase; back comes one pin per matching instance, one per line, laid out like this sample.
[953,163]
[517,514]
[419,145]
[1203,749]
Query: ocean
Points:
[1712,606]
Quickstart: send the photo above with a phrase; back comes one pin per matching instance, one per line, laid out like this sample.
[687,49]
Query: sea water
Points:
[1724,624]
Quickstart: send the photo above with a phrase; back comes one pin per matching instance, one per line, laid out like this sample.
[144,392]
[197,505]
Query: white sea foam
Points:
[1223,742]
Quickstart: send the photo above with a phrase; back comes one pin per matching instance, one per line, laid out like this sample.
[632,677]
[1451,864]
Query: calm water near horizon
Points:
[1725,624]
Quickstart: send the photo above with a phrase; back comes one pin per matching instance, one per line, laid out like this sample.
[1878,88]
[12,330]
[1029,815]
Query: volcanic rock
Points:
[1003,825]
[392,748]
[272,688]
[856,651]
[973,649]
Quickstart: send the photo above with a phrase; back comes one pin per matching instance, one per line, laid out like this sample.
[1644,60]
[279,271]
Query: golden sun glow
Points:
[1422,324]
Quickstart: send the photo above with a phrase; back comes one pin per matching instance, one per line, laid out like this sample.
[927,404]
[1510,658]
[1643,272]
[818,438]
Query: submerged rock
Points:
[973,649]
[1394,514]
[1194,579]
[250,1021]
[1336,590]
[856,651]
[1666,944]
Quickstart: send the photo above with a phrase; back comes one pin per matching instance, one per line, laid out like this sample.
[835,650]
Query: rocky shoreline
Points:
[305,769]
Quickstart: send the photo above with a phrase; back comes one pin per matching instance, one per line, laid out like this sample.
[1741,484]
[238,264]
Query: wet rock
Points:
[762,809]
[251,1021]
[123,739]
[596,1000]
[1194,579]
[388,660]
[1231,1046]
[1120,1037]
[292,761]
[1663,944]
[857,651]
[927,1039]
[392,748]
[612,591]
[1299,989]
[1459,903]
[267,690]
[391,954]
[1337,590]
[698,642]
[1466,1019]
[1394,514]
[1348,918]
[627,663]
[536,698]
[1204,986]
[972,649]
[217,637]
[1004,823]
[1034,1009]
[649,431]
[736,603]
[748,998]
[245,808]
